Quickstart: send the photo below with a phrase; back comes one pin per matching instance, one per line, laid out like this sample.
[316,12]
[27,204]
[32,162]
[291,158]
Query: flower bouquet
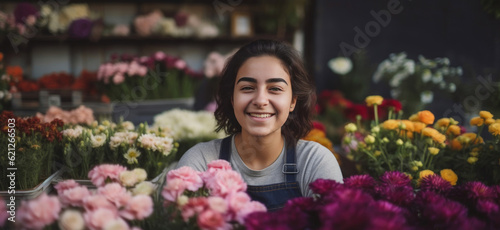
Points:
[187,127]
[361,202]
[122,200]
[415,83]
[32,147]
[420,144]
[122,143]
[156,77]
[214,199]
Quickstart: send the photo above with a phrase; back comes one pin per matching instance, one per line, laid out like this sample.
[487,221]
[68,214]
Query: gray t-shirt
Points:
[313,161]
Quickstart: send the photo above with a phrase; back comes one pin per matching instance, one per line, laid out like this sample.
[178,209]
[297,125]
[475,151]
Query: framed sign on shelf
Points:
[241,24]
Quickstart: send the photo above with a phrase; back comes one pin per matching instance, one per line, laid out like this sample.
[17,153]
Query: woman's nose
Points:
[261,98]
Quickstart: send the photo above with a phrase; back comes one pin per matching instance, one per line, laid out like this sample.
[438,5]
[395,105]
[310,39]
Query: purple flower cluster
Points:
[389,203]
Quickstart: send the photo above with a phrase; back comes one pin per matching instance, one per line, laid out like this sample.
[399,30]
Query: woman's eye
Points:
[276,89]
[246,88]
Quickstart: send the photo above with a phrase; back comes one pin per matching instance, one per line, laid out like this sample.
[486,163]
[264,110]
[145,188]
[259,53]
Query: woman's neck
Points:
[259,152]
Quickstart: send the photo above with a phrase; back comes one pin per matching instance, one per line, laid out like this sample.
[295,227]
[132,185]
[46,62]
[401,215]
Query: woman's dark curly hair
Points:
[299,122]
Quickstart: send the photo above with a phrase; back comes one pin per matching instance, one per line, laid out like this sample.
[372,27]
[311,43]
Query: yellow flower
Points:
[485,115]
[390,124]
[418,126]
[425,173]
[408,125]
[350,128]
[453,129]
[474,154]
[414,118]
[477,121]
[374,100]
[472,160]
[399,142]
[414,168]
[375,129]
[426,117]
[377,153]
[443,122]
[433,150]
[369,139]
[494,129]
[449,176]
[409,176]
[489,121]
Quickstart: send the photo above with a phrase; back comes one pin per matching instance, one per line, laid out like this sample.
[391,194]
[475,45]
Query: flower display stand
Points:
[43,187]
[141,111]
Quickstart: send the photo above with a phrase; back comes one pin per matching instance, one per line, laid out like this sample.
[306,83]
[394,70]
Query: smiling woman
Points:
[265,101]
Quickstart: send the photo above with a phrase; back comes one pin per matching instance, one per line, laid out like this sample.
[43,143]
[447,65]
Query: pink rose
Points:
[100,173]
[118,78]
[74,196]
[97,219]
[226,182]
[38,213]
[210,219]
[238,201]
[173,189]
[115,193]
[194,206]
[64,185]
[138,208]
[190,177]
[3,213]
[251,207]
[92,203]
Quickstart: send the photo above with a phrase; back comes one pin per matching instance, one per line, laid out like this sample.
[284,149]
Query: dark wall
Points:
[457,29]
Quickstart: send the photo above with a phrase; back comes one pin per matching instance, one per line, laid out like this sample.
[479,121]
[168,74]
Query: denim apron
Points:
[274,196]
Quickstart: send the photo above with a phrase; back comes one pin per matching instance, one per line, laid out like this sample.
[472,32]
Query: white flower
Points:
[410,66]
[2,94]
[5,77]
[340,65]
[141,174]
[73,133]
[143,188]
[442,85]
[98,140]
[127,125]
[459,71]
[116,224]
[71,219]
[426,75]
[128,178]
[132,155]
[382,67]
[426,97]
[395,93]
[452,87]
[437,78]
[185,124]
[148,141]
[396,80]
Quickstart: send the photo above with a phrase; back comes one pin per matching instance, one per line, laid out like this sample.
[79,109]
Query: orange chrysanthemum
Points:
[418,126]
[494,129]
[485,115]
[477,121]
[426,117]
[453,129]
[390,124]
[443,122]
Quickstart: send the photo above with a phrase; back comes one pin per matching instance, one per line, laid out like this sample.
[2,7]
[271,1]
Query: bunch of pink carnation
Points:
[80,115]
[116,72]
[99,174]
[226,204]
[75,207]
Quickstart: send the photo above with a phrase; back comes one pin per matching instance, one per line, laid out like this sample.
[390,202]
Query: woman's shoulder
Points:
[308,146]
[200,154]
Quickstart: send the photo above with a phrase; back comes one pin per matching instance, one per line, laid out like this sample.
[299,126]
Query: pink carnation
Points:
[64,185]
[190,177]
[180,64]
[115,193]
[159,55]
[97,219]
[214,167]
[210,219]
[118,78]
[92,203]
[174,188]
[138,208]
[40,212]
[194,206]
[3,213]
[238,201]
[100,173]
[226,182]
[74,196]
[218,204]
[251,207]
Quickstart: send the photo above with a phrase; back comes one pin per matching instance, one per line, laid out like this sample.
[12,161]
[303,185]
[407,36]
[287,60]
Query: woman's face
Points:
[262,98]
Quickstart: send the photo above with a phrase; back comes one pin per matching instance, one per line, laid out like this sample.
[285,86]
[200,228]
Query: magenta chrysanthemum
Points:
[399,195]
[396,178]
[364,182]
[476,190]
[324,186]
[435,183]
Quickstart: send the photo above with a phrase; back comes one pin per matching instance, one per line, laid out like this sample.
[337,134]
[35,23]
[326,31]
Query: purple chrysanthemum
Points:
[306,204]
[396,178]
[364,182]
[323,186]
[443,214]
[345,215]
[399,195]
[435,183]
[80,28]
[476,190]
[264,220]
[23,11]
[347,194]
[487,206]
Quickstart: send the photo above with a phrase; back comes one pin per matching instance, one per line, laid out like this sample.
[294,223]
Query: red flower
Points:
[319,125]
[391,103]
[356,109]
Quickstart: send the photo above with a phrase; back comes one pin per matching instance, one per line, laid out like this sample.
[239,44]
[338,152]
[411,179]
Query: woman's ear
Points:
[294,102]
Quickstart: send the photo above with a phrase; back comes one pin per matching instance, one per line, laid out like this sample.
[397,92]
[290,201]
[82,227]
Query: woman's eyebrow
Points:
[253,80]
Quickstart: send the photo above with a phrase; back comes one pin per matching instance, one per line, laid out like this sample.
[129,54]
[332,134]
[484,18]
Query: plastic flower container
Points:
[43,187]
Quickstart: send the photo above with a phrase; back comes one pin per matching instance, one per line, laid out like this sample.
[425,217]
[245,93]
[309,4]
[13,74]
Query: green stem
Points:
[376,113]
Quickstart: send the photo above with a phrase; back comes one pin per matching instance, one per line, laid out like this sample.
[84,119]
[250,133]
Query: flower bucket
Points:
[43,187]
[144,111]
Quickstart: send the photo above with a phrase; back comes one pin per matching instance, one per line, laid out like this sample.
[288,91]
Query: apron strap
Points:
[290,167]
[225,149]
